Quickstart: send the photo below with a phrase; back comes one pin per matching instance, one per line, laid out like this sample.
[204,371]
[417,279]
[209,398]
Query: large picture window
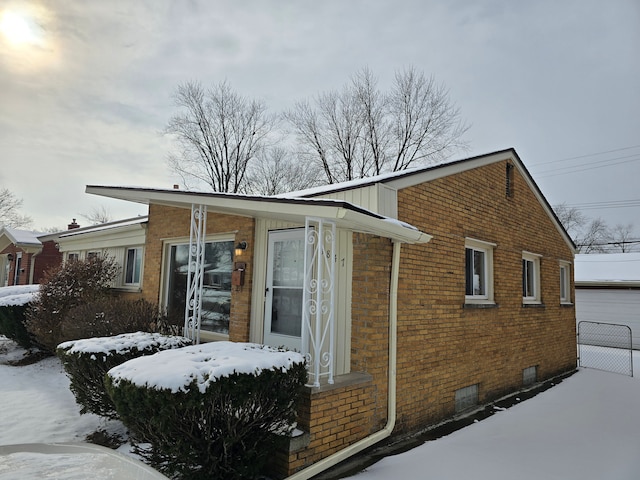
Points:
[478,271]
[216,290]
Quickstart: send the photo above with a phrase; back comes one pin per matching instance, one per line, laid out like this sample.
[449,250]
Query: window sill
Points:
[566,304]
[480,305]
[534,305]
[206,336]
[128,289]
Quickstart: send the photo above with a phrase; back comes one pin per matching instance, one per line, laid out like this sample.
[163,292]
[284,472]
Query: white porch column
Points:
[193,304]
[318,316]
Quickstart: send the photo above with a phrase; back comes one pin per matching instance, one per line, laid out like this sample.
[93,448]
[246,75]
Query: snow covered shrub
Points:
[215,410]
[13,305]
[75,283]
[87,361]
[108,316]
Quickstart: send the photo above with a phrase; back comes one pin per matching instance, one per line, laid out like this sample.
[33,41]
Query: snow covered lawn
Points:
[587,427]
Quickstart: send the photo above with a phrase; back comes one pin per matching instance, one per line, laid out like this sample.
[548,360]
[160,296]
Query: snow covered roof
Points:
[407,178]
[411,176]
[611,269]
[22,237]
[345,214]
[127,222]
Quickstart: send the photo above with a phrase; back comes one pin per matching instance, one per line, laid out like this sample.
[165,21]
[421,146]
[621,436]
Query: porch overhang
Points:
[346,215]
[28,242]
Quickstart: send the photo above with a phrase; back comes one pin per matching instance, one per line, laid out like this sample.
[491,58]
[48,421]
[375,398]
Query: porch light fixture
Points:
[10,257]
[240,247]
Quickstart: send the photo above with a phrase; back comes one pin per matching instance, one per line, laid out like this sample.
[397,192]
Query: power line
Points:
[589,155]
[605,204]
[589,166]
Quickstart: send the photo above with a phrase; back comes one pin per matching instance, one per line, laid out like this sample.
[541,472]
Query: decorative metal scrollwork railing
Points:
[318,316]
[195,273]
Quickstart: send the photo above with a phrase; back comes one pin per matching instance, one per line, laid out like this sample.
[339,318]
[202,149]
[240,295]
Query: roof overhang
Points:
[7,238]
[344,214]
[608,284]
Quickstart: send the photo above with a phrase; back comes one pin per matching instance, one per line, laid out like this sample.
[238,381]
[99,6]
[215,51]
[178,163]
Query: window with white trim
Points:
[73,256]
[132,266]
[478,271]
[530,278]
[216,288]
[565,276]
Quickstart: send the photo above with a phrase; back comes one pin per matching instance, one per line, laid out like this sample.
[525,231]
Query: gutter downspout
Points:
[386,431]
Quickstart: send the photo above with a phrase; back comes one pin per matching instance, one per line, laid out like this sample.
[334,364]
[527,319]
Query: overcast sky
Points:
[84,96]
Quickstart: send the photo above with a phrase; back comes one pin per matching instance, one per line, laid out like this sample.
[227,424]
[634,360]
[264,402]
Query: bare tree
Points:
[9,211]
[622,238]
[426,125]
[594,235]
[595,238]
[219,133]
[571,218]
[98,215]
[277,172]
[361,131]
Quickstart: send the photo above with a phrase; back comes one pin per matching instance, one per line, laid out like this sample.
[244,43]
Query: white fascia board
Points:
[445,170]
[290,209]
[384,227]
[117,237]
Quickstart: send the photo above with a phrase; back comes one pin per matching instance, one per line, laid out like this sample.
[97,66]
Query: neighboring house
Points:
[123,240]
[415,295]
[26,255]
[608,290]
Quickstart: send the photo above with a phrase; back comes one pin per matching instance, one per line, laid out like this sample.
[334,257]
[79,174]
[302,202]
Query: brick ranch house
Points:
[26,255]
[416,295]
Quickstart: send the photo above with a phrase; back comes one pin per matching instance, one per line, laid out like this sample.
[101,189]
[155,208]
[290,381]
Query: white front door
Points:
[284,289]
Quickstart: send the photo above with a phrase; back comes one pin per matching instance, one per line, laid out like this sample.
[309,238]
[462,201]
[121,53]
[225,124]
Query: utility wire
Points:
[589,166]
[606,204]
[588,155]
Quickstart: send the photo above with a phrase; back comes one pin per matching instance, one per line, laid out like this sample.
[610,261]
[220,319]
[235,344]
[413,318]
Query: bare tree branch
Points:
[360,131]
[98,215]
[623,238]
[218,133]
[277,172]
[9,211]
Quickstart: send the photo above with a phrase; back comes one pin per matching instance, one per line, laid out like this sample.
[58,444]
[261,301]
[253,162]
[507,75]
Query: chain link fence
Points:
[605,346]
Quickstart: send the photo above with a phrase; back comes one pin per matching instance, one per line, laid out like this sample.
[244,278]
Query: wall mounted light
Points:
[240,247]
[10,257]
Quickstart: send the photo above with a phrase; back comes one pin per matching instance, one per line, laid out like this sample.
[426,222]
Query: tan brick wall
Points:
[443,346]
[341,416]
[166,223]
[334,419]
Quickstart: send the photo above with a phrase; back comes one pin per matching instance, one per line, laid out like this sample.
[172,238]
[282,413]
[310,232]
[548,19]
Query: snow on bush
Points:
[200,365]
[124,344]
[14,302]
[216,410]
[87,361]
[18,295]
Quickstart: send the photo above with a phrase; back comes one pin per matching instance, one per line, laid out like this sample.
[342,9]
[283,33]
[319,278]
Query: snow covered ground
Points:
[585,428]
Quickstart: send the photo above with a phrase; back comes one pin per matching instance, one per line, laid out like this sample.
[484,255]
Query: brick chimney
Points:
[73,225]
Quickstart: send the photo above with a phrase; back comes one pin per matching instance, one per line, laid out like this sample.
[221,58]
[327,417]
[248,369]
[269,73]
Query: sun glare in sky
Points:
[18,29]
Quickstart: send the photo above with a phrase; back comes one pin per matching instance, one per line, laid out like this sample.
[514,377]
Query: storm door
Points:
[284,289]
